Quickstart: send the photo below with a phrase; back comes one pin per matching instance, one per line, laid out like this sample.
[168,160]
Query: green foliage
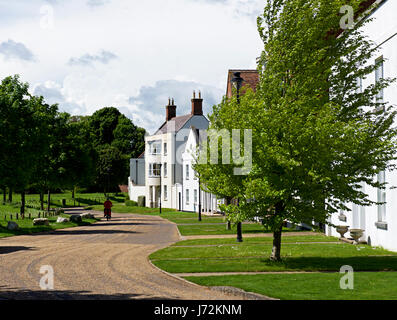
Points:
[24,125]
[131,203]
[316,136]
[112,132]
[111,167]
[141,201]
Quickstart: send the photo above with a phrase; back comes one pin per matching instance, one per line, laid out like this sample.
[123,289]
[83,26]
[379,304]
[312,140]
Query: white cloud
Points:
[15,50]
[87,59]
[153,99]
[163,48]
[97,3]
[54,93]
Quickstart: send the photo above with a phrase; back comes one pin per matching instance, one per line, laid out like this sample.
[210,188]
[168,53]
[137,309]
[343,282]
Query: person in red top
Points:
[108,205]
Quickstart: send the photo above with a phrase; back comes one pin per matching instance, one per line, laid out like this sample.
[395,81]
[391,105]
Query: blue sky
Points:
[129,54]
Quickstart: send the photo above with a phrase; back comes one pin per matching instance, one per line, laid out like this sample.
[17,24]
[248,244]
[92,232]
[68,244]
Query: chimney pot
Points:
[197,105]
[170,110]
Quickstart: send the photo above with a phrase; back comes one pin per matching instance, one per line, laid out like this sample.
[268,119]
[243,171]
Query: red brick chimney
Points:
[170,110]
[197,105]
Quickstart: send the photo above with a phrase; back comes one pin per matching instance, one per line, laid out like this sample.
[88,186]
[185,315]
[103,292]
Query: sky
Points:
[129,54]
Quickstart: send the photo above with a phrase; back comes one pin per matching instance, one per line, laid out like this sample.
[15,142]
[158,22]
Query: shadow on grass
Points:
[251,264]
[366,263]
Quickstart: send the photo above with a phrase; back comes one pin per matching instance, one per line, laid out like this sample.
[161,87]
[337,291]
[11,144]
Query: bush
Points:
[131,203]
[141,201]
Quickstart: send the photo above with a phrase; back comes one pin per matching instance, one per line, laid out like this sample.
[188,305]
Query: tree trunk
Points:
[48,200]
[4,195]
[22,202]
[228,224]
[41,200]
[276,250]
[73,193]
[10,195]
[239,231]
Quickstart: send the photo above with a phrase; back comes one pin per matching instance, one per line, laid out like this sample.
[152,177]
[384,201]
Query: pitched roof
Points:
[174,125]
[250,76]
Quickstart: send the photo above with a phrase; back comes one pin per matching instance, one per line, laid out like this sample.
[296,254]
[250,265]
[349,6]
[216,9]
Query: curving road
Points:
[107,260]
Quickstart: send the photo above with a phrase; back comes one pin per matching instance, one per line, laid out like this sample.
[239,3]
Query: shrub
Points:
[131,203]
[141,201]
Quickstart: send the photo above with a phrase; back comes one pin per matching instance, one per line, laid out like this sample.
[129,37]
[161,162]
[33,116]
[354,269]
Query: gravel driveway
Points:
[107,260]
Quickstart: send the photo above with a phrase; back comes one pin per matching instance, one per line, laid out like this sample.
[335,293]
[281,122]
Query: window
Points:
[165,169]
[187,196]
[165,148]
[187,172]
[195,195]
[165,193]
[155,147]
[154,170]
[378,76]
[382,198]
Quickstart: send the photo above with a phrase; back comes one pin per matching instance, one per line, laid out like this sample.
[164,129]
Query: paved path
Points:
[107,260]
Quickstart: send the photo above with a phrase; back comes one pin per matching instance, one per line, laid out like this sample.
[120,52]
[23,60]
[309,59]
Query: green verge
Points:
[187,222]
[81,199]
[255,240]
[122,208]
[218,229]
[26,226]
[310,286]
[255,258]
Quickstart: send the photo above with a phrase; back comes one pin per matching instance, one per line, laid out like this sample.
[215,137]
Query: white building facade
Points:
[379,222]
[159,173]
[192,193]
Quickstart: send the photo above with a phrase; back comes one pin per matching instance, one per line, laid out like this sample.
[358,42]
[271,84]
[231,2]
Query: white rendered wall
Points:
[382,30]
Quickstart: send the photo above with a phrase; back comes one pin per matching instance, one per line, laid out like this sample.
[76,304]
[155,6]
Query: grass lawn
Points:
[122,208]
[255,240]
[194,220]
[310,286]
[187,222]
[218,229]
[26,226]
[32,201]
[254,257]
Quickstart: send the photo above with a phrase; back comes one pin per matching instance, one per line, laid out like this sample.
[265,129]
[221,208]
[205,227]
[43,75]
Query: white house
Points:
[379,222]
[192,195]
[159,171]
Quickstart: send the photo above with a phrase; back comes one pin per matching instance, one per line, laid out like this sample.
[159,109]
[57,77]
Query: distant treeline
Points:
[44,150]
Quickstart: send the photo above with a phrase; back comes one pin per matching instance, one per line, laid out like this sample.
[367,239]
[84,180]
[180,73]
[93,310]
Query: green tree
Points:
[111,167]
[24,128]
[219,178]
[103,122]
[68,162]
[110,128]
[316,135]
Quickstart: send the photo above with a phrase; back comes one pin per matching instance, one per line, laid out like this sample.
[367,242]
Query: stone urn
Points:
[356,234]
[342,230]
